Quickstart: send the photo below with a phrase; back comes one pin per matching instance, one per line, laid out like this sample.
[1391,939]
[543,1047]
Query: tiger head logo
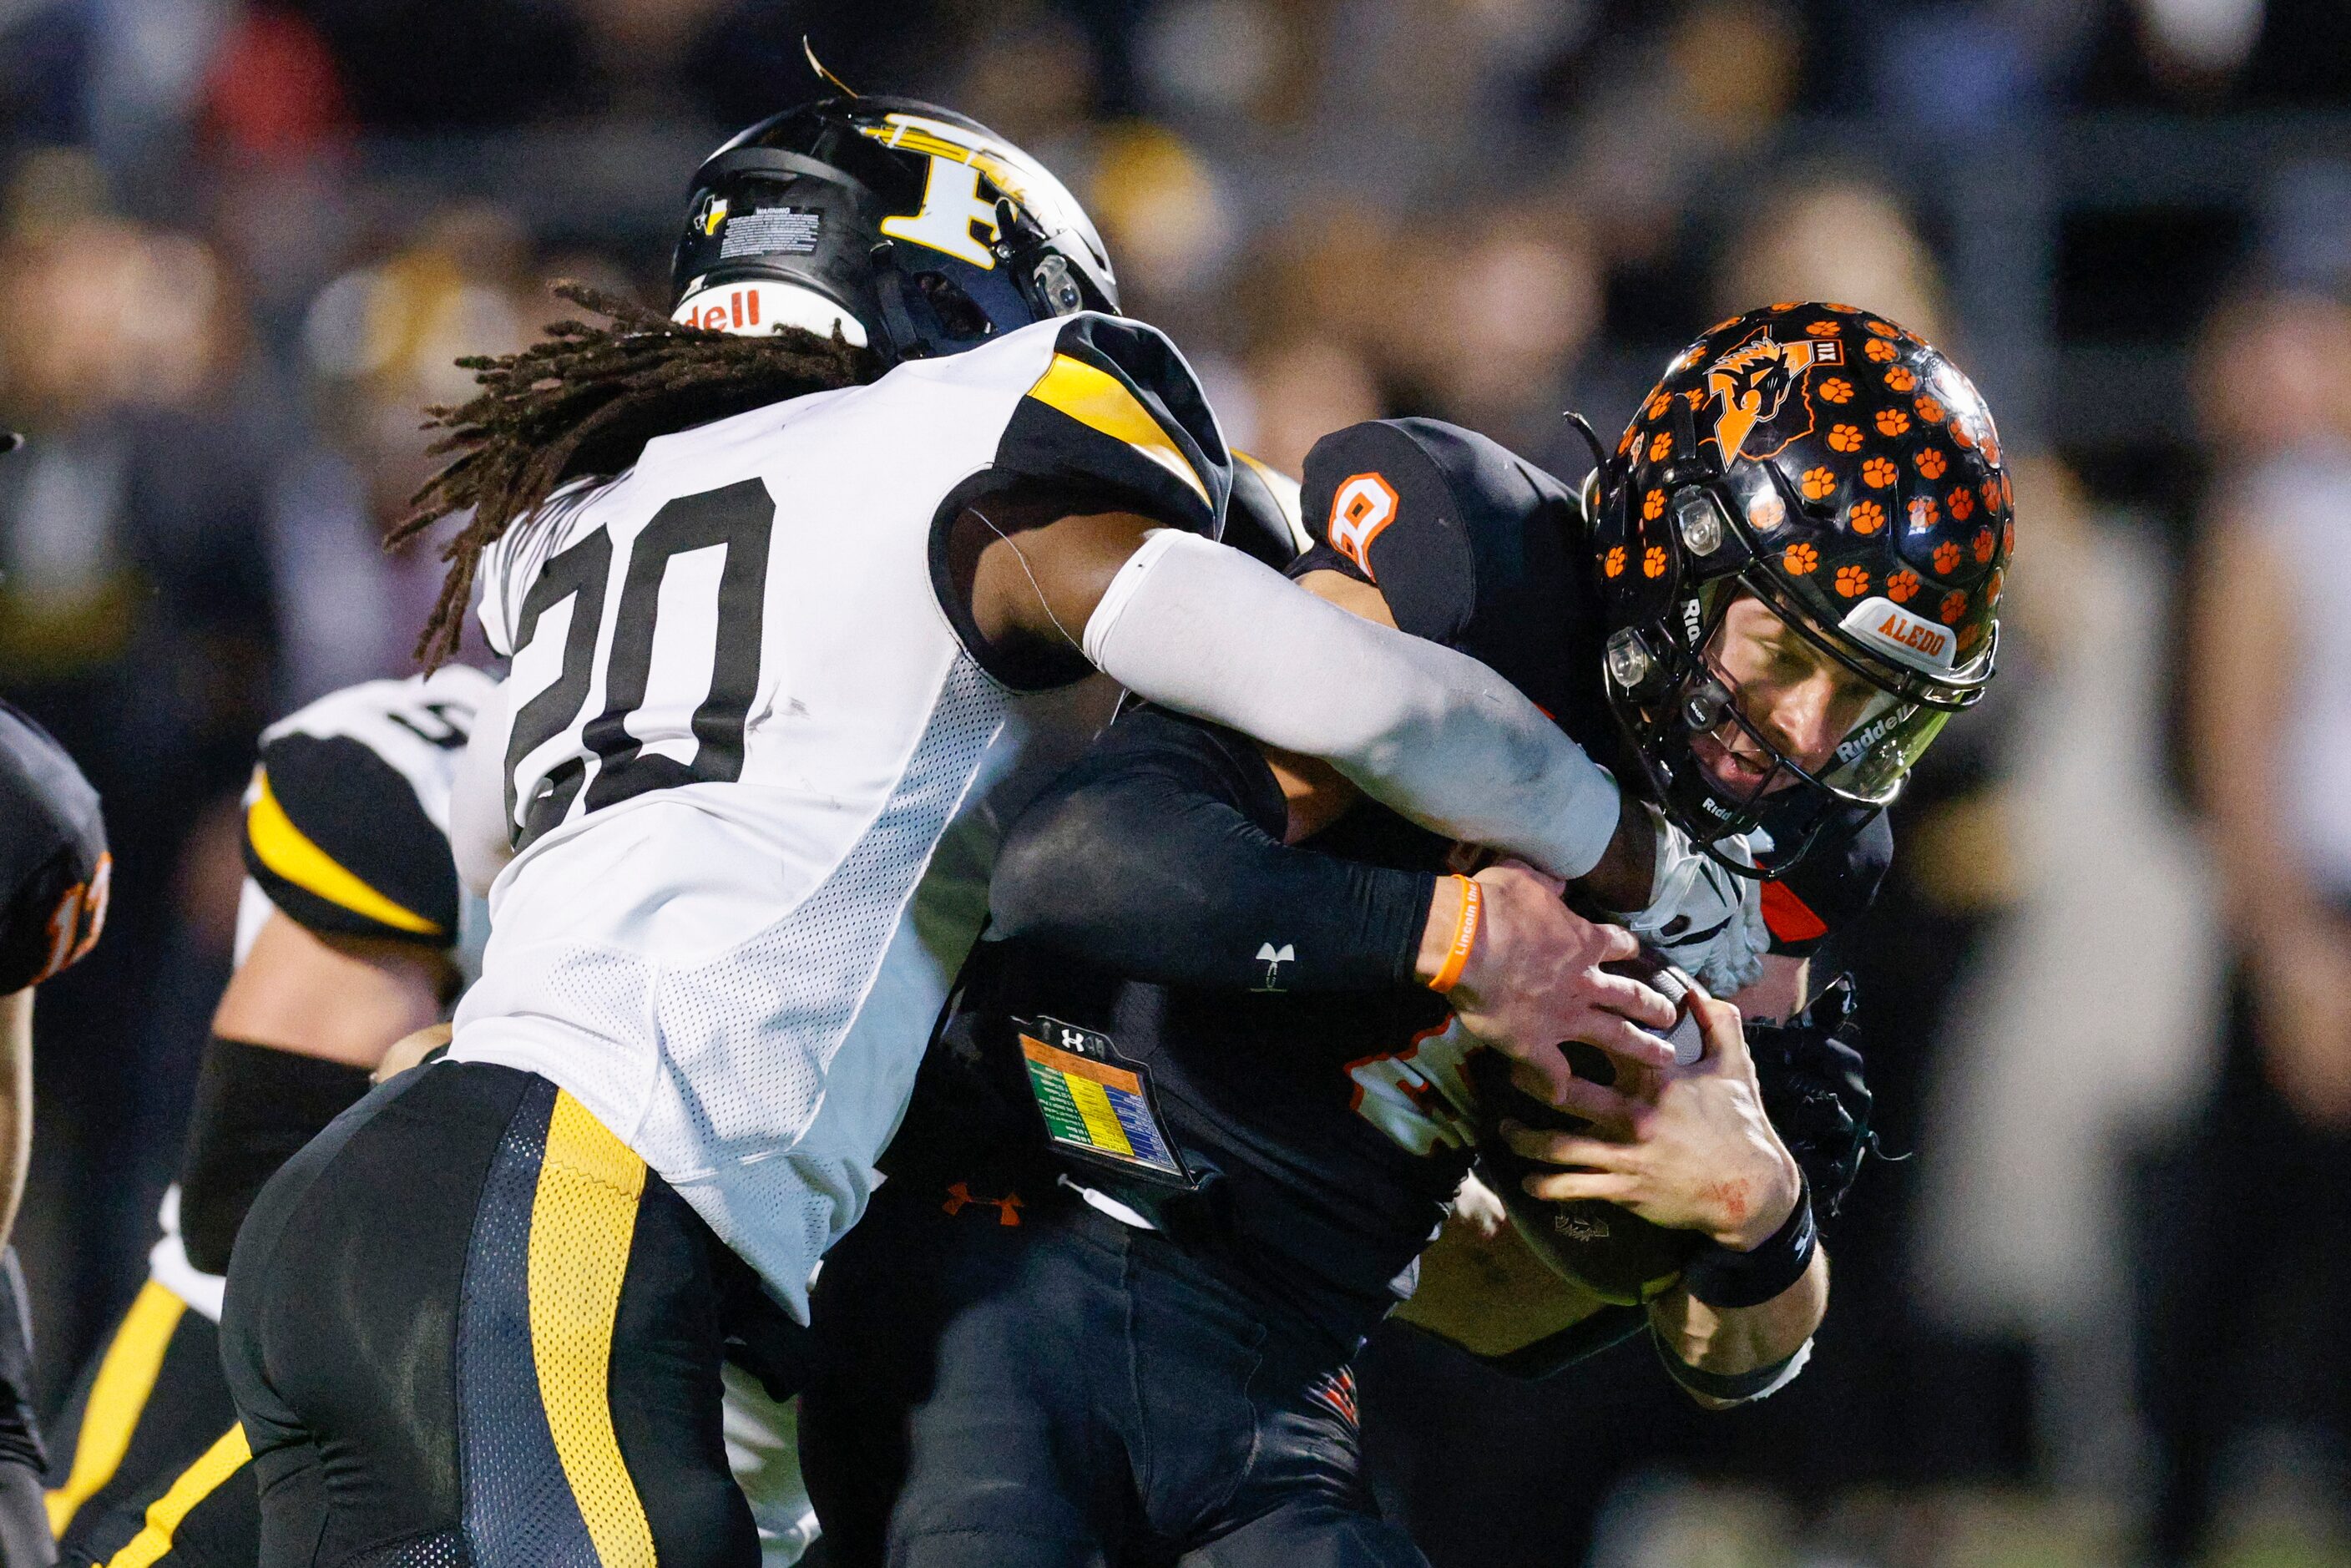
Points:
[1751,383]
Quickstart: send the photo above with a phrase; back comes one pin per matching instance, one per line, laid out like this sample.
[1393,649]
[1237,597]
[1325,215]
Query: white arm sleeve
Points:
[477,797]
[1431,733]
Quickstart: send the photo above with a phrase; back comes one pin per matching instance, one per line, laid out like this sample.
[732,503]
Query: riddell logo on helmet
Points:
[732,310]
[1752,381]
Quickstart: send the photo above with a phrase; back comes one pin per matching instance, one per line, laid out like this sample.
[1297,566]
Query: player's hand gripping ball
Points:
[1606,1248]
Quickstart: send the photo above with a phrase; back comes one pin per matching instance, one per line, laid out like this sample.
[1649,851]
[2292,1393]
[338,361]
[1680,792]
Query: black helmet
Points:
[1847,475]
[915,231]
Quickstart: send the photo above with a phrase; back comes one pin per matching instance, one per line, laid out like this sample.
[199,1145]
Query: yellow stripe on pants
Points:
[198,1481]
[583,1219]
[118,1398]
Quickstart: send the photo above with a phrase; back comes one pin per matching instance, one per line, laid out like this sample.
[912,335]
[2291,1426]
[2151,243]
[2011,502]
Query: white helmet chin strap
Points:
[756,307]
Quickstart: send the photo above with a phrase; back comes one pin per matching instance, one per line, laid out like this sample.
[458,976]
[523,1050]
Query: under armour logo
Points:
[1273,958]
[1007,1207]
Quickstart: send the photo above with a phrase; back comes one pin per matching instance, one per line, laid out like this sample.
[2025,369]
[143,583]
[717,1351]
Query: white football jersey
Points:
[758,776]
[345,832]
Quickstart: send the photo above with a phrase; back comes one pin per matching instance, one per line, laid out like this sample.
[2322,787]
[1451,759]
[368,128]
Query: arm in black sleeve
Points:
[1159,856]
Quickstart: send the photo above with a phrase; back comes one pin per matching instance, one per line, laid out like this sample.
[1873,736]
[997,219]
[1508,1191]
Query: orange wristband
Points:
[1465,936]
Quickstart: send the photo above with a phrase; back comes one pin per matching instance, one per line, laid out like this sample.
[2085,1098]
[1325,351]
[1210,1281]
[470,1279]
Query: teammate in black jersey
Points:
[54,875]
[1037,1356]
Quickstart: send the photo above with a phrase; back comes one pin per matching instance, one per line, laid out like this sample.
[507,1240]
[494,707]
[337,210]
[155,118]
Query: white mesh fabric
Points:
[748,1040]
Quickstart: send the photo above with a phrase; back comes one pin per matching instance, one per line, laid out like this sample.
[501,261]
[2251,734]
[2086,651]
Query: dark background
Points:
[2089,1321]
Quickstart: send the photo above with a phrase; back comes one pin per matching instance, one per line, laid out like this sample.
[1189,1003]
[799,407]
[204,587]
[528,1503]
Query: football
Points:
[1609,1251]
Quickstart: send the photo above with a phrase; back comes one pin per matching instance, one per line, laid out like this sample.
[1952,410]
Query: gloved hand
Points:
[1813,1091]
[1703,916]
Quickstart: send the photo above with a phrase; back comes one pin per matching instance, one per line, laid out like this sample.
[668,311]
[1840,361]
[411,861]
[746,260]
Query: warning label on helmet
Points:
[770,231]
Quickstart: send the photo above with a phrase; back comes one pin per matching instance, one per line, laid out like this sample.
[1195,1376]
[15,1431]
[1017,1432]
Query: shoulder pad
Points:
[1465,540]
[1262,518]
[1116,408]
[1829,888]
[54,866]
[345,824]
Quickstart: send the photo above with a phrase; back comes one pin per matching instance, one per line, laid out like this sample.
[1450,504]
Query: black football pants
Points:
[1001,1385]
[468,1328]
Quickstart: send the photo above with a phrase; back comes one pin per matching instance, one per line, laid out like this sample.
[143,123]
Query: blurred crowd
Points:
[2108,991]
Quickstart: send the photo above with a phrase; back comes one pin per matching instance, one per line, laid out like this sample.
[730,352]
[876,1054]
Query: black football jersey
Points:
[54,868]
[1331,1127]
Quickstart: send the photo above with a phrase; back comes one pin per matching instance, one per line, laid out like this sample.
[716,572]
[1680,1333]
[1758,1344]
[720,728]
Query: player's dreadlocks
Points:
[584,402]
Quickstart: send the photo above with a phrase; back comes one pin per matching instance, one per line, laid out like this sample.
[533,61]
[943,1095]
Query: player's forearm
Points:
[1735,1342]
[1427,731]
[15,1103]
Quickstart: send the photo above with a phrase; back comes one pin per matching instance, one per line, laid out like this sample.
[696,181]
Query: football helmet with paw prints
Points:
[1845,473]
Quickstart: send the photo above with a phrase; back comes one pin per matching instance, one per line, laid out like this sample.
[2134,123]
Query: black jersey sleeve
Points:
[1465,540]
[1118,412]
[338,839]
[1159,857]
[1831,887]
[54,867]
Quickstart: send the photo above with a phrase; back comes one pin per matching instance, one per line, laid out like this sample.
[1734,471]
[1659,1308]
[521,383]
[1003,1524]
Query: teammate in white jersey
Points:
[804,591]
[353,934]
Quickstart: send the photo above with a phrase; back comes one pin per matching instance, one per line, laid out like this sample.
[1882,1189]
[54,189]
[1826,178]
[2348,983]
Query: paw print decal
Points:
[1653,561]
[1947,558]
[1836,389]
[1984,547]
[2008,537]
[1844,437]
[1929,409]
[1901,586]
[1882,328]
[1879,350]
[1892,422]
[1879,472]
[1824,329]
[1800,558]
[1852,581]
[1931,462]
[1613,563]
[1923,514]
[1767,513]
[1901,378]
[1962,504]
[1819,483]
[1866,518]
[1653,506]
[1955,604]
[1657,406]
[1661,446]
